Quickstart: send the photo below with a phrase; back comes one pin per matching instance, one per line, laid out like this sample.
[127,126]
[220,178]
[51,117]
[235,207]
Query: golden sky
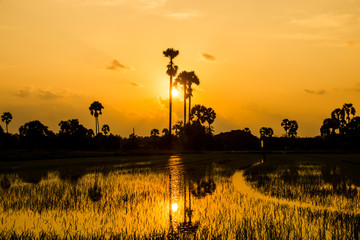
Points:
[258,61]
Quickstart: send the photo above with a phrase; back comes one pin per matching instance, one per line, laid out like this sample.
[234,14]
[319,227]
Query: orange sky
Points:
[258,61]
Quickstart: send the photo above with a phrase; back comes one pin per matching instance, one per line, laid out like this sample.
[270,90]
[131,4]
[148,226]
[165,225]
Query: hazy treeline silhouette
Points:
[341,131]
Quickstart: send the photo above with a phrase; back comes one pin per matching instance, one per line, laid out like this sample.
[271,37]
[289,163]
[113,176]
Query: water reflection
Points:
[185,186]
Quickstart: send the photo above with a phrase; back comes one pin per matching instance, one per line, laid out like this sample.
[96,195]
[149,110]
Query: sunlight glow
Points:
[174,207]
[175,92]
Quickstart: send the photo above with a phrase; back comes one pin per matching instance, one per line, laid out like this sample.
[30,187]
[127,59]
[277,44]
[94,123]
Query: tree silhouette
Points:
[106,129]
[247,130]
[182,79]
[329,126]
[354,126]
[95,110]
[293,127]
[286,125]
[34,129]
[198,113]
[171,71]
[165,131]
[266,132]
[346,110]
[336,117]
[193,79]
[6,118]
[178,126]
[71,128]
[154,132]
[210,116]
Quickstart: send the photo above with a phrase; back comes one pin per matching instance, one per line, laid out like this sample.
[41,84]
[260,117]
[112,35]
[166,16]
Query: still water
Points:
[204,196]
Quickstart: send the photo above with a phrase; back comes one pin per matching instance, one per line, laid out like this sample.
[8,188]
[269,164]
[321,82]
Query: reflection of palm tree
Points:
[5,183]
[171,71]
[94,192]
[6,118]
[95,110]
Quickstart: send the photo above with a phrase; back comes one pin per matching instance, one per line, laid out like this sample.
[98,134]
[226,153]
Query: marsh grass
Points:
[135,205]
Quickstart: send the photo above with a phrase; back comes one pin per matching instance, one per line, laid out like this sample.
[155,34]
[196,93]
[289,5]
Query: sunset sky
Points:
[258,61]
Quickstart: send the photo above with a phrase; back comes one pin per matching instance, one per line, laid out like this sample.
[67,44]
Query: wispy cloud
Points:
[142,4]
[25,92]
[48,94]
[327,20]
[353,43]
[183,15]
[318,92]
[207,57]
[135,84]
[148,4]
[115,65]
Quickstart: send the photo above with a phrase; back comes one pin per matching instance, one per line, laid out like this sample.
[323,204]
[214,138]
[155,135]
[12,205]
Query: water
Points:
[202,196]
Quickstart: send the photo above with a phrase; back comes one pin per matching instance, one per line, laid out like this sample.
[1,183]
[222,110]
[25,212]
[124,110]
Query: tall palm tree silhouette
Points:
[286,125]
[193,79]
[171,71]
[95,110]
[6,118]
[183,79]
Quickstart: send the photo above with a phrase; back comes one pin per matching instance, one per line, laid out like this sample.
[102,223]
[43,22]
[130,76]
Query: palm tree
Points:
[106,129]
[165,131]
[286,125]
[210,116]
[178,126]
[193,79]
[6,118]
[154,132]
[183,79]
[336,116]
[293,127]
[171,71]
[95,110]
[198,113]
[266,132]
[346,110]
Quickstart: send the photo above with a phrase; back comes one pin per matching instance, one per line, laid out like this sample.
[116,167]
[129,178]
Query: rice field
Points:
[205,196]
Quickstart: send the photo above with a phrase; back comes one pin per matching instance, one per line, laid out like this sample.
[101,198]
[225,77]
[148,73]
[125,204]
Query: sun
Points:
[174,207]
[175,92]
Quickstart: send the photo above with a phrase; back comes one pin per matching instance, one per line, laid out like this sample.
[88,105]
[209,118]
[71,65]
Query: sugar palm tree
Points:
[286,125]
[346,110]
[182,79]
[106,129]
[171,71]
[210,116]
[6,118]
[193,79]
[154,132]
[95,110]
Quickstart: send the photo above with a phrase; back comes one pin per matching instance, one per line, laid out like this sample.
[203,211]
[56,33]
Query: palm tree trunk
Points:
[95,126]
[189,106]
[170,108]
[184,104]
[7,128]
